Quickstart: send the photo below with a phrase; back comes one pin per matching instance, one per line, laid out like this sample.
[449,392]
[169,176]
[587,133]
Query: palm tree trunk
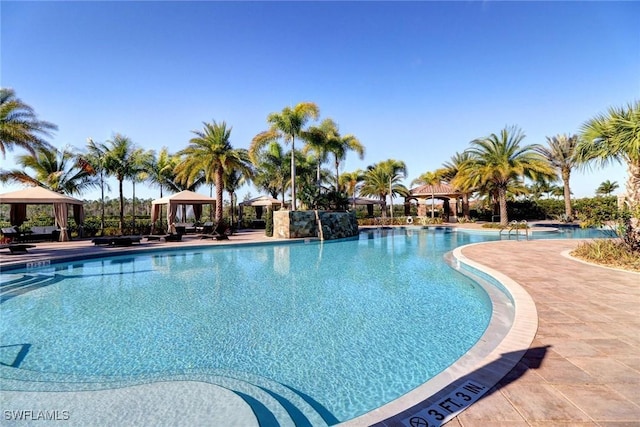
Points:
[502,199]
[337,175]
[293,173]
[465,206]
[219,190]
[632,232]
[231,195]
[134,207]
[101,204]
[566,174]
[121,206]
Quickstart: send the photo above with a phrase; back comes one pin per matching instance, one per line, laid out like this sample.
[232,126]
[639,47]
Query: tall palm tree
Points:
[56,170]
[326,138]
[288,125]
[340,146]
[19,125]
[139,159]
[615,137]
[160,170]
[432,179]
[451,173]
[95,161]
[606,188]
[271,174]
[382,179]
[561,152]
[210,153]
[120,162]
[233,180]
[350,182]
[500,162]
[318,140]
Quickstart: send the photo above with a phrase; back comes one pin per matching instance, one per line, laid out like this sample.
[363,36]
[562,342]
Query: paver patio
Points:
[589,322]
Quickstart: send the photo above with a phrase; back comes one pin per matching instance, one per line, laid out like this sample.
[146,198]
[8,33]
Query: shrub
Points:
[609,252]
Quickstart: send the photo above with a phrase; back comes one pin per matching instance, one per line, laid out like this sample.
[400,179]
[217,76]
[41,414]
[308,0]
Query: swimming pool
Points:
[350,324]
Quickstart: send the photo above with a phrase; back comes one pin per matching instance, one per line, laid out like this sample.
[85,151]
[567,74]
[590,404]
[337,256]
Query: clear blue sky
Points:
[413,81]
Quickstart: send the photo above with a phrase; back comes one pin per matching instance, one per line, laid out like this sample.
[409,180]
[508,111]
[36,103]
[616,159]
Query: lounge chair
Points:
[185,227]
[10,233]
[116,241]
[207,228]
[167,237]
[221,232]
[17,248]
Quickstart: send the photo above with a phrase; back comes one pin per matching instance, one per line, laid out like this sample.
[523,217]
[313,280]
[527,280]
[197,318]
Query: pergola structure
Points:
[443,192]
[183,198]
[258,203]
[18,200]
[362,201]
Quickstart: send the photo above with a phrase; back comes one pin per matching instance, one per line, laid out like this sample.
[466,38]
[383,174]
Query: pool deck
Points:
[582,368]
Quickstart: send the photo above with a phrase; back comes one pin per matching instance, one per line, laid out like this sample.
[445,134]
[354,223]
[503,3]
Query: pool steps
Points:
[272,403]
[28,282]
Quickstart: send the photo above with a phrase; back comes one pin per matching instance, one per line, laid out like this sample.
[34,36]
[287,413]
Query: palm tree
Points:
[287,125]
[233,180]
[606,188]
[160,170]
[340,145]
[615,136]
[318,140]
[19,125]
[95,162]
[271,172]
[350,181]
[56,170]
[429,178]
[561,152]
[120,162]
[139,160]
[382,179]
[210,154]
[451,173]
[499,162]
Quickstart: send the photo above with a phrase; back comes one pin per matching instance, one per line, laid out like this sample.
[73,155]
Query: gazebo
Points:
[259,203]
[41,196]
[362,201]
[443,192]
[183,198]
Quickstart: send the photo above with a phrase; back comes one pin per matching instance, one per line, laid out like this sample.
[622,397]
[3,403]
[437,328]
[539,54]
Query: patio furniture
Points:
[116,241]
[38,233]
[17,248]
[166,237]
[221,232]
[10,232]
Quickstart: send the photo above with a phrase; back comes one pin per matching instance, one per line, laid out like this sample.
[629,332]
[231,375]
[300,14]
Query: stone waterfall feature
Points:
[322,224]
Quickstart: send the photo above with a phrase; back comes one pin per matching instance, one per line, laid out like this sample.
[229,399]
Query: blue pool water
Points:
[352,324]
